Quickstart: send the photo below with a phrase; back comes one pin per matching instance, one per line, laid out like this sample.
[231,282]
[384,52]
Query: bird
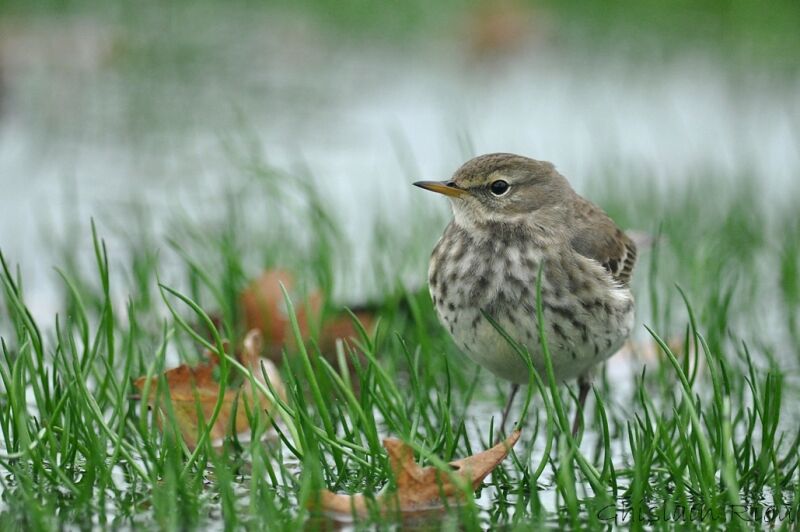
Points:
[512,217]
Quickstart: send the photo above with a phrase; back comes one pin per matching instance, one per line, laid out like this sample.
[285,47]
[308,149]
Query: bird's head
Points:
[501,187]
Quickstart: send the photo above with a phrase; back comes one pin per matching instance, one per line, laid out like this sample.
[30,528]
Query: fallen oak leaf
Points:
[263,308]
[495,27]
[650,351]
[263,305]
[341,327]
[194,391]
[420,489]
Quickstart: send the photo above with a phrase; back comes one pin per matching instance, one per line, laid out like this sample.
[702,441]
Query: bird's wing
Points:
[597,237]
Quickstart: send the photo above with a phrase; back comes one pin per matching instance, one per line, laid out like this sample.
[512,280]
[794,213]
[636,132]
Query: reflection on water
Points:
[95,120]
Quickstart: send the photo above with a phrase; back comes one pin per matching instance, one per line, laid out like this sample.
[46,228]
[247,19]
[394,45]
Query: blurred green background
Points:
[110,108]
[210,140]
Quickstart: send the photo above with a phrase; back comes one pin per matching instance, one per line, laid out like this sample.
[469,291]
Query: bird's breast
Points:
[586,319]
[466,272]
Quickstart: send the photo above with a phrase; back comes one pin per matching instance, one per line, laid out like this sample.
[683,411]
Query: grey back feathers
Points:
[543,197]
[597,237]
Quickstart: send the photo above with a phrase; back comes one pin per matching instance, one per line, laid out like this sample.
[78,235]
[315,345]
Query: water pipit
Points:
[512,216]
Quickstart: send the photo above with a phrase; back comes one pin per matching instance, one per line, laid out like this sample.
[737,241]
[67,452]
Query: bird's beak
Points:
[442,187]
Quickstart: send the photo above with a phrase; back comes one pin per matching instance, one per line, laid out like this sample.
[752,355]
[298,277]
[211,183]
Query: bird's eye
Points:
[499,187]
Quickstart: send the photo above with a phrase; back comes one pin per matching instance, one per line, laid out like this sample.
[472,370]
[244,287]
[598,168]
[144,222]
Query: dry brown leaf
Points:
[421,488]
[341,327]
[262,303]
[650,351]
[501,26]
[190,387]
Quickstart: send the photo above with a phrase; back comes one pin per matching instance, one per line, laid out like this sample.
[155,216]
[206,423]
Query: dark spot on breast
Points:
[480,287]
[591,306]
[451,306]
[437,250]
[573,282]
[521,288]
[459,254]
[530,265]
[568,314]
[558,292]
[565,312]
[527,302]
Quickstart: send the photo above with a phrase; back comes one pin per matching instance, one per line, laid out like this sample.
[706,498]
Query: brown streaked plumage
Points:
[512,216]
[598,237]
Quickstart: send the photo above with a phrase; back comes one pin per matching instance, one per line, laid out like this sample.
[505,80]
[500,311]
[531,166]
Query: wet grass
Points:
[703,430]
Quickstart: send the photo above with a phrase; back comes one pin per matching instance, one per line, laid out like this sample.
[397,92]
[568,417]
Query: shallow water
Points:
[91,133]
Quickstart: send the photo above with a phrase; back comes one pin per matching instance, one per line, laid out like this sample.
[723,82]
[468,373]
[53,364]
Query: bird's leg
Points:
[507,409]
[584,384]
